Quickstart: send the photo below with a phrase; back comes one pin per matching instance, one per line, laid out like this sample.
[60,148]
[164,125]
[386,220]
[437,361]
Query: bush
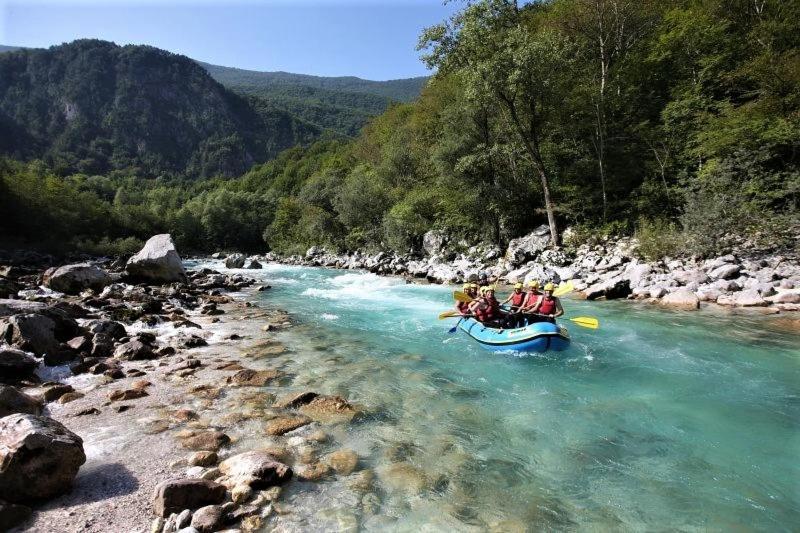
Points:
[660,238]
[108,247]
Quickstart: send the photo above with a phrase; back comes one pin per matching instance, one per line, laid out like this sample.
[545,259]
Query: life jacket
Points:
[517,299]
[486,310]
[548,306]
[533,298]
[462,307]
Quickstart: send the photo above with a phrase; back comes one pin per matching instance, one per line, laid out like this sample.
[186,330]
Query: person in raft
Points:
[516,299]
[486,309]
[471,290]
[548,307]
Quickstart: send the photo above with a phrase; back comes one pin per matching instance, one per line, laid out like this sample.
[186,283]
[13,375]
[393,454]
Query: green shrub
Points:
[660,238]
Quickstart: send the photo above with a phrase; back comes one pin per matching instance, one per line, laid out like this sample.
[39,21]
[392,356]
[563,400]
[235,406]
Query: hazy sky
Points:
[373,39]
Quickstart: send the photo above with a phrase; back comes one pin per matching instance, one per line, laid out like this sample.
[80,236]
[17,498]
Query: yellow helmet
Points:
[518,285]
[549,287]
[533,284]
[466,287]
[474,285]
[489,288]
[482,289]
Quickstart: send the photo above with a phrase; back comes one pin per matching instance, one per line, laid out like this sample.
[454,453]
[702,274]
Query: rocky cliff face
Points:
[92,106]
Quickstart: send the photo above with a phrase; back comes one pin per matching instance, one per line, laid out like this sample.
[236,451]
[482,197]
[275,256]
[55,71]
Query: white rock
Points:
[157,262]
[681,299]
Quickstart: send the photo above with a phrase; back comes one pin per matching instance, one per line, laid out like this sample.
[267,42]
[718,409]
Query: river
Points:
[656,421]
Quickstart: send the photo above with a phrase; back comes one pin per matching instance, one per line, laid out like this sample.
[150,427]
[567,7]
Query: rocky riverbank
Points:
[139,396]
[610,269]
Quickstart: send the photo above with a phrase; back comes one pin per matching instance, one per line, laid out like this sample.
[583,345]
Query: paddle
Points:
[564,288]
[462,297]
[449,314]
[586,321]
[454,328]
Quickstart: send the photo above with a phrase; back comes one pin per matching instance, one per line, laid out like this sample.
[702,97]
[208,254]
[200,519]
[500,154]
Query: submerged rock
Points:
[157,262]
[39,457]
[285,424]
[343,461]
[207,440]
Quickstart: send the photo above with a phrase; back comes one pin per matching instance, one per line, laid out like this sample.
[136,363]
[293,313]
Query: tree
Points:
[506,58]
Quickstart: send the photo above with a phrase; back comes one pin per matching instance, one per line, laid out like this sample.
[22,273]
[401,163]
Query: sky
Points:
[372,39]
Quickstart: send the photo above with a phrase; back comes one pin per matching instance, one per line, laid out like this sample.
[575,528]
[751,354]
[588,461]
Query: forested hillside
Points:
[341,104]
[94,107]
[678,120]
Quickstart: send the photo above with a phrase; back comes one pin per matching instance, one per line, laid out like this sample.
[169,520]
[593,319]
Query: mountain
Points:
[342,104]
[4,48]
[92,106]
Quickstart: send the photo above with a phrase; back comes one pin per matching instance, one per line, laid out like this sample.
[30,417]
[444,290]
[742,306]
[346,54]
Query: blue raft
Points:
[536,337]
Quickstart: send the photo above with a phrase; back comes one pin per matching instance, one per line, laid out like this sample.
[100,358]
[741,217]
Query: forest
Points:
[674,120]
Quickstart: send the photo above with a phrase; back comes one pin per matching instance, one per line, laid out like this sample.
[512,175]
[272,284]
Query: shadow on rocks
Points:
[98,482]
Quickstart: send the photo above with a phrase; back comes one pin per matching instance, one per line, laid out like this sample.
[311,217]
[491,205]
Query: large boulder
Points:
[256,468]
[32,332]
[15,365]
[612,288]
[175,495]
[39,458]
[235,261]
[637,274]
[681,299]
[528,247]
[157,262]
[13,401]
[749,298]
[72,279]
[433,242]
[725,271]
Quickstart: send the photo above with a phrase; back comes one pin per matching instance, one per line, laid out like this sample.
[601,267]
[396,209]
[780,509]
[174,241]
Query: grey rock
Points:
[15,365]
[254,265]
[433,242]
[157,262]
[256,468]
[183,519]
[208,519]
[8,288]
[13,401]
[749,298]
[528,247]
[134,350]
[72,279]
[113,329]
[616,287]
[725,271]
[681,299]
[235,261]
[175,495]
[16,307]
[39,458]
[637,274]
[33,333]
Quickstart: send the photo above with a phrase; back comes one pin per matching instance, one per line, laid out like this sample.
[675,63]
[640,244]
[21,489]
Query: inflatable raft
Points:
[537,337]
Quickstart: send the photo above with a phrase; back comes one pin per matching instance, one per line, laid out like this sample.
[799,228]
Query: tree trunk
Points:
[529,142]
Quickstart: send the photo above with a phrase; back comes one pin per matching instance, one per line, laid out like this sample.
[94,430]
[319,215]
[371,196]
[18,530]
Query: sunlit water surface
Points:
[657,421]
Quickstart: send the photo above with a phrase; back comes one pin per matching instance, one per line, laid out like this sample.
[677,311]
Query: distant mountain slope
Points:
[92,106]
[341,104]
[403,90]
[4,48]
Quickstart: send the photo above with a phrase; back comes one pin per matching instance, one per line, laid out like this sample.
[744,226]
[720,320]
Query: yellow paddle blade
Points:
[461,296]
[564,288]
[586,321]
[449,314]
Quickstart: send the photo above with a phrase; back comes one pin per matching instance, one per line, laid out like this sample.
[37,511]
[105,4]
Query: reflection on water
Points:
[655,421]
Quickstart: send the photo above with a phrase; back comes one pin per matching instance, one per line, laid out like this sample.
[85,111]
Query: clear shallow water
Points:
[657,420]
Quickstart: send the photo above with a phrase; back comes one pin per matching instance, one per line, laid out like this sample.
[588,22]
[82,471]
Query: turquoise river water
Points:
[657,421]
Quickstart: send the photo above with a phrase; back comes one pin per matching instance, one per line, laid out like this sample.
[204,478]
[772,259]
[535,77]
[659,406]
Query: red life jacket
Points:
[462,307]
[486,310]
[548,306]
[517,299]
[533,299]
